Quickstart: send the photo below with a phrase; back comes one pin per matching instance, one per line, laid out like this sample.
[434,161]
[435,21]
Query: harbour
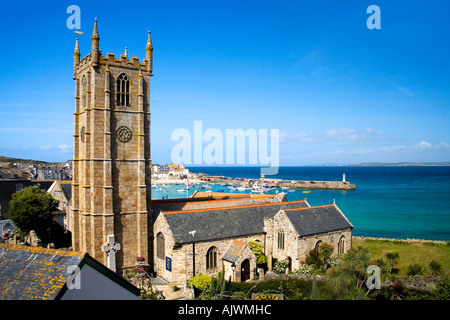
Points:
[280,183]
[409,202]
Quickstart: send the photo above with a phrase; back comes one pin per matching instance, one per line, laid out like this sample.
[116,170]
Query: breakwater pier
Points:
[299,184]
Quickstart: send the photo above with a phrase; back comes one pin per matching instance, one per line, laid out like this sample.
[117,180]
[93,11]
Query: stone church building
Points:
[114,218]
[223,227]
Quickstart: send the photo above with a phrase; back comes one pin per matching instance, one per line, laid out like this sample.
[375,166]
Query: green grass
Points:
[421,253]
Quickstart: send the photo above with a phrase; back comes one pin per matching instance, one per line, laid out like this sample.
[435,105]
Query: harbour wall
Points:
[299,184]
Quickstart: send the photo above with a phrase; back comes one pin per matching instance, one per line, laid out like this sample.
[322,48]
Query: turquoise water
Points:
[391,202]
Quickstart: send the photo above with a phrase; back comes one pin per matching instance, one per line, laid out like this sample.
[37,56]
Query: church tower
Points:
[111,187]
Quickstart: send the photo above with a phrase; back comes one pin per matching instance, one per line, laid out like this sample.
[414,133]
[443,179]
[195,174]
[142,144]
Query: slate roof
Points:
[234,251]
[36,273]
[224,222]
[224,200]
[67,187]
[30,273]
[317,220]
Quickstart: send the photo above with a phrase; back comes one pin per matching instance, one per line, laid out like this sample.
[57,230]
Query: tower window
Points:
[123,90]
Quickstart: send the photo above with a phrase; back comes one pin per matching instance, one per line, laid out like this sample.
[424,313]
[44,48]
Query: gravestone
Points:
[33,240]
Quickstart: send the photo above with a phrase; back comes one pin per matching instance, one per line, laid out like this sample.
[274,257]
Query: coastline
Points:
[410,184]
[401,240]
[297,184]
[175,181]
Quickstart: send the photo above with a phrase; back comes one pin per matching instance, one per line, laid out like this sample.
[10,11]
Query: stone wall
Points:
[295,246]
[181,255]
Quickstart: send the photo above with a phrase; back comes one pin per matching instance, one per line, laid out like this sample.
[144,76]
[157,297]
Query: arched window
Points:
[317,246]
[83,91]
[211,258]
[123,90]
[281,239]
[341,245]
[160,246]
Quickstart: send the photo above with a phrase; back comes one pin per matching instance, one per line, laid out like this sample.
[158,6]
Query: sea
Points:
[399,202]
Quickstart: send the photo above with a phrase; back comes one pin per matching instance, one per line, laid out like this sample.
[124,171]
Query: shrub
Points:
[305,270]
[280,266]
[201,281]
[435,267]
[257,249]
[442,291]
[313,258]
[398,290]
[414,269]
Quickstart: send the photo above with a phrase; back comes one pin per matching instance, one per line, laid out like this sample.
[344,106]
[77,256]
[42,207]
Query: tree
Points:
[392,258]
[347,279]
[257,249]
[31,209]
[320,257]
[313,259]
[325,253]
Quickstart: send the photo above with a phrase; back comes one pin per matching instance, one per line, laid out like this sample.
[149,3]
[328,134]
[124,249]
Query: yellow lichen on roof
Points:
[64,253]
[34,272]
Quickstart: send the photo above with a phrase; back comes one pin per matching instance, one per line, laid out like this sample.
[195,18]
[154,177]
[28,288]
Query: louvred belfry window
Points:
[123,90]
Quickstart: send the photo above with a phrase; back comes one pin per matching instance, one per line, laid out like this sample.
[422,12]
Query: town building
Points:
[61,190]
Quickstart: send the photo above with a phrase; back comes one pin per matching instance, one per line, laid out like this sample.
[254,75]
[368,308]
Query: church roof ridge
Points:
[202,200]
[239,242]
[234,207]
[322,206]
[319,220]
[224,222]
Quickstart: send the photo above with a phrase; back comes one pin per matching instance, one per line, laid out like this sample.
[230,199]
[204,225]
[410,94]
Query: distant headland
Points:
[399,164]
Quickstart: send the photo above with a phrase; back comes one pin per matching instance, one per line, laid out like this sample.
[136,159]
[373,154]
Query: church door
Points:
[245,270]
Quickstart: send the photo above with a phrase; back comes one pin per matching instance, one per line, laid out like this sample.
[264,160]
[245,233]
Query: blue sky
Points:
[337,91]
